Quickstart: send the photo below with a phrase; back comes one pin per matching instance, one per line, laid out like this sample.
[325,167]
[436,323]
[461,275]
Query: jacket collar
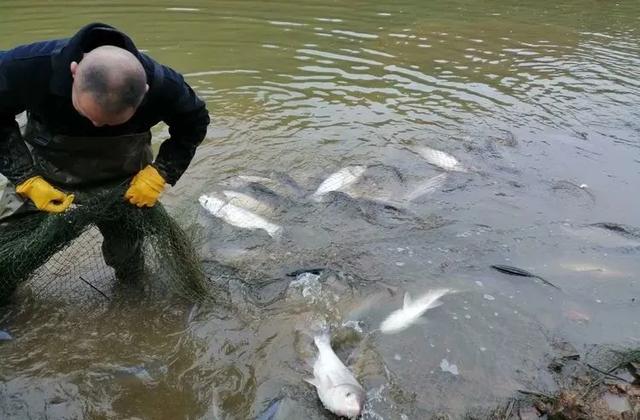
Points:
[72,49]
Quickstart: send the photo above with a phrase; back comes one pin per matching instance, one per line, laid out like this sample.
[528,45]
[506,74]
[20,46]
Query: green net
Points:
[97,246]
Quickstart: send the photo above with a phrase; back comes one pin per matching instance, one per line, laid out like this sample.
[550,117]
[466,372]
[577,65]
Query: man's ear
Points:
[73,67]
[146,88]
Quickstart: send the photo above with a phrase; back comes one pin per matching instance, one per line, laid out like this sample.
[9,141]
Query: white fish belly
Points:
[440,159]
[340,180]
[237,216]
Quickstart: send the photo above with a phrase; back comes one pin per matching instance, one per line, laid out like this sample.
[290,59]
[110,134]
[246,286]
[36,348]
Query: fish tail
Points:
[318,330]
[547,282]
[322,339]
[432,299]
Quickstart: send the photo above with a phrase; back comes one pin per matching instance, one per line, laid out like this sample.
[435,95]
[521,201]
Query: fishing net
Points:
[61,255]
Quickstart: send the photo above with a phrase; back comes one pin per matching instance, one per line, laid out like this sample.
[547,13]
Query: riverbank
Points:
[602,385]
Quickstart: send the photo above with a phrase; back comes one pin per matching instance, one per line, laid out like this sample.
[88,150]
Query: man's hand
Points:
[145,187]
[44,195]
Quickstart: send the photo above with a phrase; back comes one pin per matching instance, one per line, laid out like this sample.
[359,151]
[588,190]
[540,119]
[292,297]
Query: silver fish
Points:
[279,182]
[412,310]
[586,267]
[601,236]
[255,178]
[439,158]
[237,216]
[427,187]
[339,180]
[248,202]
[379,182]
[337,388]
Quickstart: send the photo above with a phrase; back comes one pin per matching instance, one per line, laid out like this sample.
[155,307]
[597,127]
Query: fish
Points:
[601,270]
[248,202]
[254,178]
[237,216]
[624,230]
[287,183]
[427,187]
[412,310]
[339,391]
[380,182]
[5,336]
[339,180]
[276,181]
[515,271]
[439,159]
[270,412]
[607,235]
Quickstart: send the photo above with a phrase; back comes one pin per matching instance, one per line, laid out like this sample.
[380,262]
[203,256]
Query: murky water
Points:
[538,100]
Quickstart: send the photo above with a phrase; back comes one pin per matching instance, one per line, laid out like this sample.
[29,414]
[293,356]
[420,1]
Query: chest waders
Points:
[83,165]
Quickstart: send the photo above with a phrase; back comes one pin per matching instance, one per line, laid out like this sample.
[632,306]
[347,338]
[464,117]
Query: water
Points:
[537,99]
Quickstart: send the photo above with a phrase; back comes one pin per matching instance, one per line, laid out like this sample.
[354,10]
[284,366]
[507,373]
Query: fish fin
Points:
[435,304]
[548,283]
[312,381]
[432,298]
[407,300]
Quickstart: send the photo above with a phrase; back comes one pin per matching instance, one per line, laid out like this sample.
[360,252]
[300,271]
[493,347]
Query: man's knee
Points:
[121,248]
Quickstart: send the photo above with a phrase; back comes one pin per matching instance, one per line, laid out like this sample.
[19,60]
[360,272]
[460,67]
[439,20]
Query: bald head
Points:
[109,84]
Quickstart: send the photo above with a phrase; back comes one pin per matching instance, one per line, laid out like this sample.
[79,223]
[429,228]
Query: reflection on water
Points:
[536,100]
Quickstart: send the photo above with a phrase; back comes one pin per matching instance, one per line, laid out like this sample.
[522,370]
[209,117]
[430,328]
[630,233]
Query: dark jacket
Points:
[37,78]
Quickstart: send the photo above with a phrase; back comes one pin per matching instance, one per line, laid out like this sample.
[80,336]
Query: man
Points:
[91,101]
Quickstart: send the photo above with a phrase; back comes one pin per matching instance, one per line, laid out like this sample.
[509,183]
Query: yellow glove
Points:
[145,187]
[44,195]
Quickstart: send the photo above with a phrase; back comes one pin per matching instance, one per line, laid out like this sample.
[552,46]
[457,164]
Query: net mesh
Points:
[64,255]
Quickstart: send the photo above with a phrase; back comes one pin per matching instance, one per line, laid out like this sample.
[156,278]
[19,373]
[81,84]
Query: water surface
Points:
[539,101]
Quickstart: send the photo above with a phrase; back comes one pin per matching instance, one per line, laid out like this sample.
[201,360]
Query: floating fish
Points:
[439,159]
[427,187]
[279,182]
[380,182]
[270,412]
[624,230]
[573,190]
[248,202]
[590,268]
[237,216]
[337,388]
[339,180]
[607,235]
[287,183]
[5,336]
[515,271]
[412,310]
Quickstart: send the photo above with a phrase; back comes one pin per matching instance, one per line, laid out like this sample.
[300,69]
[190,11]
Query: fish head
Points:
[346,400]
[211,203]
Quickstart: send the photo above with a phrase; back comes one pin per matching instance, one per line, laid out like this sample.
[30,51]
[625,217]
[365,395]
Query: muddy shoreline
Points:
[604,383]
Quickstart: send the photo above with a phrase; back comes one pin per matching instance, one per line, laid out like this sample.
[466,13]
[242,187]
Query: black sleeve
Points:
[187,118]
[15,160]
